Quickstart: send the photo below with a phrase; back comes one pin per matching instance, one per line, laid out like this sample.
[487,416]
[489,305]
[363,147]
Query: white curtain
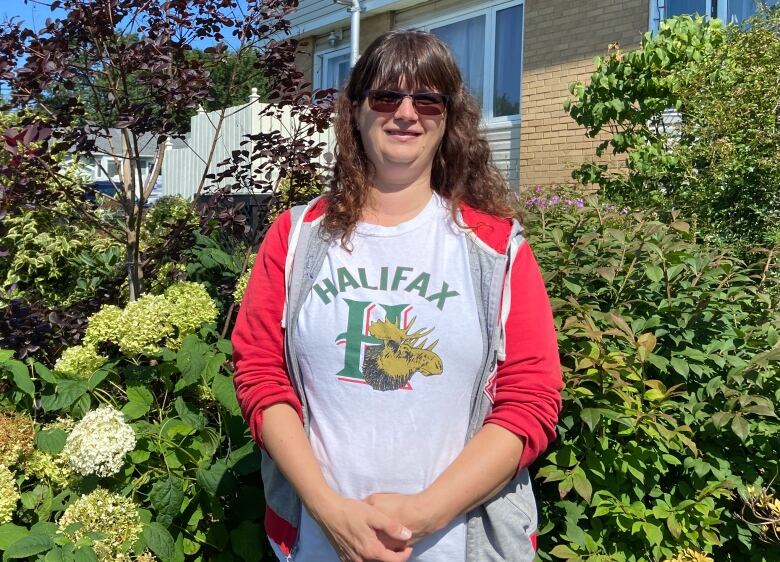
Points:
[466,38]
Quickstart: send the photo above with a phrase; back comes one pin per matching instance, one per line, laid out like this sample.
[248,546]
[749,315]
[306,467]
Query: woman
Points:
[395,352]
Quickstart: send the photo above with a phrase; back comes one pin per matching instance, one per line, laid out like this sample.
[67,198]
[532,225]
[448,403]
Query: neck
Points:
[391,203]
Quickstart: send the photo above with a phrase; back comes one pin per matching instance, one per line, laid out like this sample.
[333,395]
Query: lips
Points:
[403,134]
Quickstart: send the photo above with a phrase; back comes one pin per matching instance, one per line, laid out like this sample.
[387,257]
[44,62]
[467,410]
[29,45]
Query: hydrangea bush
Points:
[133,447]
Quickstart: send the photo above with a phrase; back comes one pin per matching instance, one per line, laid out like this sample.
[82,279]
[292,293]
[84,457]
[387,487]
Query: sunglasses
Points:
[425,103]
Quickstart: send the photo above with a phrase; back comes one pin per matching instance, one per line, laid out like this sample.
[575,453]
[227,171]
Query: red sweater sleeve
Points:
[528,383]
[261,377]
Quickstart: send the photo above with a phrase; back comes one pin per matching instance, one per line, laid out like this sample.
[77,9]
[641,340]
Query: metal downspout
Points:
[354,32]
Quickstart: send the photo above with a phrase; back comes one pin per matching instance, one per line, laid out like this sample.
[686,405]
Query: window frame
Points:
[657,5]
[489,10]
[321,58]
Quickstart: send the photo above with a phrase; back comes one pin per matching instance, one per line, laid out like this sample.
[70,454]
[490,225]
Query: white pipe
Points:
[354,32]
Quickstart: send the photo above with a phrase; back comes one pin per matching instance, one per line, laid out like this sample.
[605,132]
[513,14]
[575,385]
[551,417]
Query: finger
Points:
[390,542]
[390,556]
[381,522]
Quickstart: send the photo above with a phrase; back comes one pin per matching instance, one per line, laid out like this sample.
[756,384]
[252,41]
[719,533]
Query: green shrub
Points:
[55,258]
[141,456]
[720,163]
[670,351]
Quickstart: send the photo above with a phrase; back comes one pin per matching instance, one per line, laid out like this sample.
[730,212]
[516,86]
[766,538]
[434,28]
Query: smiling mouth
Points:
[403,134]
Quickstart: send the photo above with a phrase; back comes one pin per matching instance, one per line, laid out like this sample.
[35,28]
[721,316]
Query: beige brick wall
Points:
[560,41]
[370,29]
[373,27]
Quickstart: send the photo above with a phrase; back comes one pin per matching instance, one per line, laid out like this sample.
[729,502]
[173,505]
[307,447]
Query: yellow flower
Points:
[190,308]
[54,469]
[80,361]
[691,555]
[103,325]
[9,495]
[144,324]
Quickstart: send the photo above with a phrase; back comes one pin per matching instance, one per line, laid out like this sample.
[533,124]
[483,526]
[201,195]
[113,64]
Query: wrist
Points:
[431,511]
[320,499]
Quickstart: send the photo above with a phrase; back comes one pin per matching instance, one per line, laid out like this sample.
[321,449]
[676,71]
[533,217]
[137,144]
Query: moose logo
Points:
[390,366]
[391,352]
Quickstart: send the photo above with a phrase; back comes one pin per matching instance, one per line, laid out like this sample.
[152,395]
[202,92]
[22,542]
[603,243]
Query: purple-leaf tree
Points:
[126,65]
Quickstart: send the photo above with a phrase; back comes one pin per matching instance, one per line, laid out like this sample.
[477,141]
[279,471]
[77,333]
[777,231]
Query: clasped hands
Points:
[382,527]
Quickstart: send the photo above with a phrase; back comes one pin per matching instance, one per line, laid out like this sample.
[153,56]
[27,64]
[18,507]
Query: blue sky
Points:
[34,14]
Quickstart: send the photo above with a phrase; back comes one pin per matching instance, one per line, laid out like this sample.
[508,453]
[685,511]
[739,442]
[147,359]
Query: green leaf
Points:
[654,273]
[167,496]
[55,555]
[225,347]
[673,526]
[191,359]
[680,366]
[590,416]
[85,554]
[49,376]
[21,377]
[654,533]
[581,484]
[97,377]
[189,413]
[216,479]
[10,533]
[159,541]
[29,546]
[720,419]
[140,400]
[563,551]
[66,393]
[51,440]
[247,541]
[225,393]
[740,427]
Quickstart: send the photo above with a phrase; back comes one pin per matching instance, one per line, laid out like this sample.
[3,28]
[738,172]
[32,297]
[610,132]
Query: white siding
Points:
[320,16]
[505,147]
[184,167]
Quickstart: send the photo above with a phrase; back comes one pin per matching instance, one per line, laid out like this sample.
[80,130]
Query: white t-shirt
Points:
[388,408]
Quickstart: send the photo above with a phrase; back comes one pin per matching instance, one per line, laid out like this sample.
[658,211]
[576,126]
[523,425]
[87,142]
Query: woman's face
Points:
[401,143]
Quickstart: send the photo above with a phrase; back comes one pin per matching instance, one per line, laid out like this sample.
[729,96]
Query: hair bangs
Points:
[411,62]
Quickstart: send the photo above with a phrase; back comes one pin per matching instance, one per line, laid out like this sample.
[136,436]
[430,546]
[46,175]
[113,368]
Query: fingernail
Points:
[406,534]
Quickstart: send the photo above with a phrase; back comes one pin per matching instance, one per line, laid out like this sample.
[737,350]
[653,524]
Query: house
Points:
[518,58]
[102,166]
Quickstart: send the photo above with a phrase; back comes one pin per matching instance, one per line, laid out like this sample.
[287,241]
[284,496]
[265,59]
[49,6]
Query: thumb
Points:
[391,527]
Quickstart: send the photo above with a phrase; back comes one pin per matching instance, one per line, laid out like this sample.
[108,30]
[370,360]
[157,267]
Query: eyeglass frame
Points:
[368,93]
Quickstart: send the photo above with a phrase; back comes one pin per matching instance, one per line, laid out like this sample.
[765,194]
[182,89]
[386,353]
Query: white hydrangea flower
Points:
[99,442]
[113,515]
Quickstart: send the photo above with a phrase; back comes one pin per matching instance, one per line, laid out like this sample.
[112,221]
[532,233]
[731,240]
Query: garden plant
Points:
[120,435]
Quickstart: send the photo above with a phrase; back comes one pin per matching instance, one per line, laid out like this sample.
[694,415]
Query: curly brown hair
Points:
[462,168]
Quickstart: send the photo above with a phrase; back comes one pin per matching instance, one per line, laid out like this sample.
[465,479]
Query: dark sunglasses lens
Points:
[384,102]
[429,104]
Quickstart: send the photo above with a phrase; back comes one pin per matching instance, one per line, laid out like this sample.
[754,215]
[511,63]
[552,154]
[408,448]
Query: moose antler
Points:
[391,331]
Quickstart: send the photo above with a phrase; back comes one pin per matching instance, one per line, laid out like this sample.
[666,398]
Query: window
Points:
[726,10]
[331,68]
[492,74]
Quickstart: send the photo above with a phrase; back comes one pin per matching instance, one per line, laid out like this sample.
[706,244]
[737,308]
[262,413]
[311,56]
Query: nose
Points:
[406,110]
